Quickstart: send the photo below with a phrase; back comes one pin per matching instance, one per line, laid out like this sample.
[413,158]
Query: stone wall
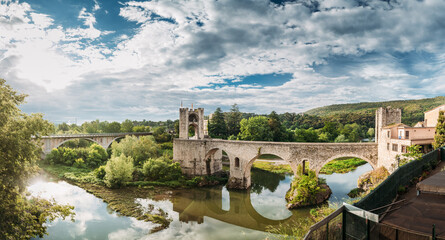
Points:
[193,155]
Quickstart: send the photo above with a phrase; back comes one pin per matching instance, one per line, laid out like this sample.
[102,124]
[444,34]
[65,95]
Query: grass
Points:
[297,228]
[268,157]
[341,165]
[272,167]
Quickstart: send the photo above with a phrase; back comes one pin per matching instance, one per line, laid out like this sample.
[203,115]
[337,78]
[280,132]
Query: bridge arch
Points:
[342,155]
[248,167]
[111,142]
[70,139]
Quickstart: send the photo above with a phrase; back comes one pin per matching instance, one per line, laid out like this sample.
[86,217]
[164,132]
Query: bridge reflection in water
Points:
[195,204]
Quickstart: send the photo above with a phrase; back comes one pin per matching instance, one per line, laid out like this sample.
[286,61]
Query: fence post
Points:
[367,230]
[434,232]
[343,234]
[327,230]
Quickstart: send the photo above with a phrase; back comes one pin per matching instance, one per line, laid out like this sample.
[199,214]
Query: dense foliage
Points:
[290,127]
[140,149]
[97,126]
[118,171]
[412,110]
[304,187]
[21,217]
[93,156]
[439,137]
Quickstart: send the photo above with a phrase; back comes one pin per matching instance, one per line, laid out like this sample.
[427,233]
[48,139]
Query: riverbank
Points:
[341,165]
[122,200]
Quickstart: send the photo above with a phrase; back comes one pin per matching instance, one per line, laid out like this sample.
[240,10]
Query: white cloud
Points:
[181,45]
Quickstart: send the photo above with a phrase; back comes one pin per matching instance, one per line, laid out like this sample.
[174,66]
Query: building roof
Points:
[443,105]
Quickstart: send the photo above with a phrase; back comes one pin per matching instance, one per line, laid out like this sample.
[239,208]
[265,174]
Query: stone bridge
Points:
[197,204]
[203,156]
[103,139]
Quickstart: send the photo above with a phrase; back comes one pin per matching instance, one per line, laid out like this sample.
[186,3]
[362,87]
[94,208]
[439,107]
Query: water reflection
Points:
[342,183]
[205,213]
[93,219]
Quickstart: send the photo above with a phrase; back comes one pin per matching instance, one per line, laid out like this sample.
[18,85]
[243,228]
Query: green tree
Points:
[306,135]
[63,127]
[141,129]
[114,127]
[118,171]
[139,149]
[127,126]
[371,132]
[439,137]
[278,131]
[255,129]
[217,125]
[161,135]
[21,217]
[233,121]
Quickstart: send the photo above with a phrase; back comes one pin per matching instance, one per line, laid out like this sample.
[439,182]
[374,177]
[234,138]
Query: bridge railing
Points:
[343,225]
[97,135]
[386,191]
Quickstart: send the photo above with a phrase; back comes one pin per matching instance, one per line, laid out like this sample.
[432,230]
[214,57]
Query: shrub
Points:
[161,169]
[79,163]
[118,171]
[97,155]
[100,172]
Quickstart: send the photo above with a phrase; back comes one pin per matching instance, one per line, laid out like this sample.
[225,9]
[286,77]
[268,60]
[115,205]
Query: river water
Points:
[204,213]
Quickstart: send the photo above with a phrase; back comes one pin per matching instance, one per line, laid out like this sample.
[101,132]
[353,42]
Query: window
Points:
[403,150]
[406,134]
[387,146]
[388,133]
[394,147]
[237,162]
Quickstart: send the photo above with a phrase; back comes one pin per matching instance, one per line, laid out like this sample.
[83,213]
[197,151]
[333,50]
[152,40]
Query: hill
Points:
[412,110]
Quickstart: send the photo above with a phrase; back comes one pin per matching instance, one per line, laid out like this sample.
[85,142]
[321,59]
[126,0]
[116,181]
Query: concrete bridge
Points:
[202,155]
[197,204]
[103,139]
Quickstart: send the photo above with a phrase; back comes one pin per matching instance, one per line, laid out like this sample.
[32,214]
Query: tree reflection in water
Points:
[264,180]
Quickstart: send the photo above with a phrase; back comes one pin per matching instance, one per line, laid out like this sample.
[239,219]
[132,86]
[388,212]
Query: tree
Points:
[114,127]
[306,135]
[255,129]
[161,135]
[118,171]
[439,137]
[278,131]
[217,125]
[233,121]
[63,127]
[127,126]
[21,217]
[139,149]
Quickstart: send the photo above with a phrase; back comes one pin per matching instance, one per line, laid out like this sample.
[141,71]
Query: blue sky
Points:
[80,60]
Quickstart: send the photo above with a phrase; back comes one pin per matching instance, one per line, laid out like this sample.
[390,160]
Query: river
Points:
[204,213]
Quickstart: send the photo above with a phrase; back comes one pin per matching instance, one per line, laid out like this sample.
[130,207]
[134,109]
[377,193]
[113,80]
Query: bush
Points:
[79,163]
[100,172]
[118,171]
[97,156]
[161,169]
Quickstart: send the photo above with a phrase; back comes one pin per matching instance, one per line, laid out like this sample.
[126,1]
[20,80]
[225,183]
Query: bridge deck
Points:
[98,135]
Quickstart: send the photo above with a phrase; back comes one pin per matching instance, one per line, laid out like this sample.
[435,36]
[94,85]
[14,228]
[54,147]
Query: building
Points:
[393,137]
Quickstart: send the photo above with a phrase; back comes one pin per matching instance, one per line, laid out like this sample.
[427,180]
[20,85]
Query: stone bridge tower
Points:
[191,117]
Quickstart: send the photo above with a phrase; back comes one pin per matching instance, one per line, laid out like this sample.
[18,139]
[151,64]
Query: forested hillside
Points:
[412,110]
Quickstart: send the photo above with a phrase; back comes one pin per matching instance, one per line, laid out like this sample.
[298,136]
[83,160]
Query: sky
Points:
[81,60]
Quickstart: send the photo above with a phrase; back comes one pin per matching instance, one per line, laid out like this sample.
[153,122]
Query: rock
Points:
[320,198]
[234,183]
